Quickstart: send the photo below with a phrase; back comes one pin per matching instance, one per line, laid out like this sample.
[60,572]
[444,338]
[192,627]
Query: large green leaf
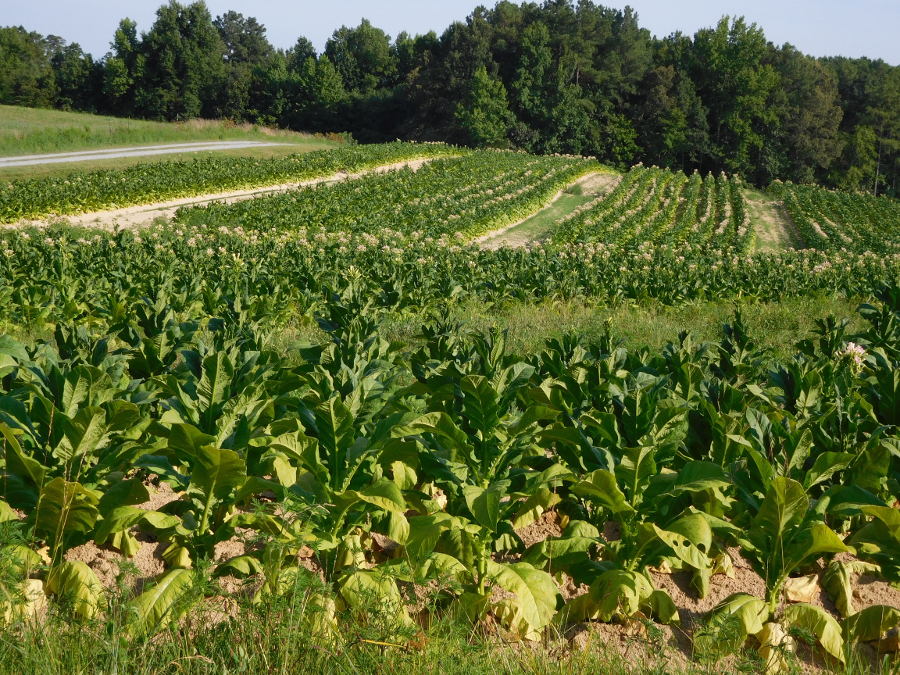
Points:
[185,440]
[82,433]
[123,493]
[217,474]
[65,508]
[214,386]
[167,601]
[485,504]
[559,555]
[480,404]
[424,532]
[783,509]
[535,599]
[634,471]
[334,423]
[825,466]
[784,534]
[383,493]
[534,507]
[441,425]
[25,474]
[77,583]
[820,623]
[600,487]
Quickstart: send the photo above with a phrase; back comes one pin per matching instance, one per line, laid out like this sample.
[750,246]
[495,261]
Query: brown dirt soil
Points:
[690,607]
[667,651]
[545,526]
[160,495]
[145,214]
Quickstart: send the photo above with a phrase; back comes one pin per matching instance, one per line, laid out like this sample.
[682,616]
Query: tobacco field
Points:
[393,483]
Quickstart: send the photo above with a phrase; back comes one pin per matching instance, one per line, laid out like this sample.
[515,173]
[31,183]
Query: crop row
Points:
[654,206]
[81,192]
[62,274]
[470,195]
[356,468]
[839,221]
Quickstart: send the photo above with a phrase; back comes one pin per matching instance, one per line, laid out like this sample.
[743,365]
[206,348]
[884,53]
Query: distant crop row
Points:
[829,220]
[470,195]
[81,192]
[656,207]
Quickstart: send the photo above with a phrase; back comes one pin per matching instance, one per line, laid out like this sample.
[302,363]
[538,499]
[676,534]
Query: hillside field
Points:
[490,412]
[34,131]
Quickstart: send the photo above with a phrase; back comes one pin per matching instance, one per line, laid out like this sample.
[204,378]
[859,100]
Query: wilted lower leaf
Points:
[871,623]
[168,600]
[802,589]
[19,559]
[614,594]
[775,644]
[730,623]
[23,602]
[536,596]
[821,624]
[661,608]
[241,566]
[838,582]
[77,582]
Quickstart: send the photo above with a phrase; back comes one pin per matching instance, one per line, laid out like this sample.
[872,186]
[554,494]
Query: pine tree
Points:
[485,112]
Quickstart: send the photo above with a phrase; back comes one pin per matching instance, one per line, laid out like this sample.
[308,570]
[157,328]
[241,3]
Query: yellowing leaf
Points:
[77,583]
[802,589]
[775,644]
[535,598]
[165,602]
[821,624]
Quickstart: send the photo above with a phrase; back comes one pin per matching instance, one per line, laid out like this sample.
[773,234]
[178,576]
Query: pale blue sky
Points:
[818,27]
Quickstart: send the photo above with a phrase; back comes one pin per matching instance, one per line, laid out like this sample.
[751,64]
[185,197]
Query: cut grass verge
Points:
[777,326]
[28,131]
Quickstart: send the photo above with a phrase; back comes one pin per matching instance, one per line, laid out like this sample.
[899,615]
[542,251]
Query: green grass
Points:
[225,633]
[541,225]
[776,326]
[774,232]
[29,131]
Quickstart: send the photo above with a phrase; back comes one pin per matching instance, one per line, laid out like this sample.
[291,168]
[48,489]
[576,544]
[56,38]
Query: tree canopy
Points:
[551,77]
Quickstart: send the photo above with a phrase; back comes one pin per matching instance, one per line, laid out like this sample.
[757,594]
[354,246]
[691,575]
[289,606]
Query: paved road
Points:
[113,153]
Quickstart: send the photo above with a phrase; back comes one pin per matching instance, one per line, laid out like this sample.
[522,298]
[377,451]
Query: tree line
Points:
[556,77]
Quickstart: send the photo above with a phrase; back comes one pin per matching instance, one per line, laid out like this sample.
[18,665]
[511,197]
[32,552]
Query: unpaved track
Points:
[115,153]
[519,234]
[775,231]
[145,214]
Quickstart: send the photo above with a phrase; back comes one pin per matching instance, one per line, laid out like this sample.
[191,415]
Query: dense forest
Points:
[555,77]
